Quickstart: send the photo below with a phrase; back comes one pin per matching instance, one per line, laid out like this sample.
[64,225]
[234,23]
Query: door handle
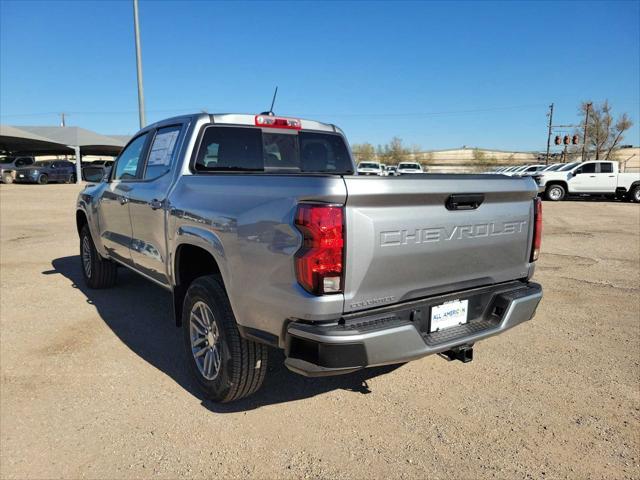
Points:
[592,176]
[124,200]
[155,204]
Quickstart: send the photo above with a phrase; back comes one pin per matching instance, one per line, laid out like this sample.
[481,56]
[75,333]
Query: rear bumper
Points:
[401,333]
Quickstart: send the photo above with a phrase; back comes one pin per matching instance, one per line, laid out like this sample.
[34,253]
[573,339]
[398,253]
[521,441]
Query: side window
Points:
[162,152]
[606,167]
[587,168]
[230,149]
[127,164]
[21,162]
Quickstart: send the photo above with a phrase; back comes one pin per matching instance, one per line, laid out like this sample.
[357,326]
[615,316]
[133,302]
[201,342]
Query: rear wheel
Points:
[71,179]
[555,193]
[634,194]
[43,179]
[98,272]
[226,366]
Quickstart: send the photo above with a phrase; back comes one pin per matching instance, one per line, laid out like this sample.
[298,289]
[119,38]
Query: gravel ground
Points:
[93,385]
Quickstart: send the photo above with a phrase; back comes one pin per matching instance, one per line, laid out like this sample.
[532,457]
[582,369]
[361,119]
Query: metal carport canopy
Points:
[62,140]
[17,141]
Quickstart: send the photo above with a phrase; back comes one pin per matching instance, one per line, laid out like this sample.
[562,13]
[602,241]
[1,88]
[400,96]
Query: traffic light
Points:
[566,140]
[557,140]
[575,139]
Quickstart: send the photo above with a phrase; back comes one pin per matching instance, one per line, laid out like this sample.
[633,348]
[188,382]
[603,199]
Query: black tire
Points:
[634,194]
[242,363]
[555,193]
[7,178]
[99,272]
[71,179]
[43,179]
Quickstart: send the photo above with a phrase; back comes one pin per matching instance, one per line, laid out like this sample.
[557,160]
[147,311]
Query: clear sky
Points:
[438,75]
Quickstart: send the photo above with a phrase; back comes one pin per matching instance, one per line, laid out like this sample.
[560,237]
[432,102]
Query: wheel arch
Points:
[198,252]
[81,220]
[562,183]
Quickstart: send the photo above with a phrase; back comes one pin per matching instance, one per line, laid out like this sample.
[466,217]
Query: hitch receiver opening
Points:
[464,353]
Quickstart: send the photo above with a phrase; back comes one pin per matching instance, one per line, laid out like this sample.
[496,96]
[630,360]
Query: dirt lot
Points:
[92,384]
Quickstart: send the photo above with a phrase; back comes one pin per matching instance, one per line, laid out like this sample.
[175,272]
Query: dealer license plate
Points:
[448,315]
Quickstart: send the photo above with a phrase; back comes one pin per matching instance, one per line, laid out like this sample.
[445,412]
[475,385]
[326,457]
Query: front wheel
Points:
[7,178]
[555,193]
[98,272]
[43,179]
[226,366]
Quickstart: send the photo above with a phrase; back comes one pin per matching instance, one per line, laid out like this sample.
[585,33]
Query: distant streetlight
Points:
[136,28]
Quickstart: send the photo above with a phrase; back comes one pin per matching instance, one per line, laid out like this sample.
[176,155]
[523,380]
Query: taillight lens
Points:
[537,229]
[319,267]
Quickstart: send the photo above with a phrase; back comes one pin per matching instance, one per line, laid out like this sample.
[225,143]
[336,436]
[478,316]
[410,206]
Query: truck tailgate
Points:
[404,242]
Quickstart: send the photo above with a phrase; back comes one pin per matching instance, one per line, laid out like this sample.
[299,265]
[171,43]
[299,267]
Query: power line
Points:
[323,114]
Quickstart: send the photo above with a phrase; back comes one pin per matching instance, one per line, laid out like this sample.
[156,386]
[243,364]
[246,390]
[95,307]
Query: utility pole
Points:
[136,28]
[584,135]
[62,122]
[549,132]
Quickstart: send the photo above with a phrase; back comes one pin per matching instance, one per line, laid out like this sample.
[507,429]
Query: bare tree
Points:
[603,134]
[394,152]
[363,151]
[623,124]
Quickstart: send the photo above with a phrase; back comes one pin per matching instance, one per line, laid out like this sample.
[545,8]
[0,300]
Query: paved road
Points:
[92,382]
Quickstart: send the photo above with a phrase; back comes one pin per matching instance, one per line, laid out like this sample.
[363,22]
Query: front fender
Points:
[88,206]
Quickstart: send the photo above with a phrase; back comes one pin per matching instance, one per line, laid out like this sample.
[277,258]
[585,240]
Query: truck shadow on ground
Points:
[140,314]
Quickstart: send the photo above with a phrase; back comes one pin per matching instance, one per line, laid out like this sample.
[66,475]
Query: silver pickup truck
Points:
[265,237]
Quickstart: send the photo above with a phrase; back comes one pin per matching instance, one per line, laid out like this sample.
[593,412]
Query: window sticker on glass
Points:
[162,149]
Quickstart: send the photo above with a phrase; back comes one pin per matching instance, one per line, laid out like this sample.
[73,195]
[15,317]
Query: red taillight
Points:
[537,229]
[278,122]
[319,266]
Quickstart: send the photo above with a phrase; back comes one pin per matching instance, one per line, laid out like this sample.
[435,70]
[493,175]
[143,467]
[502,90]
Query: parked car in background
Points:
[509,170]
[369,168]
[266,238]
[553,167]
[530,170]
[43,172]
[589,178]
[405,168]
[392,171]
[9,165]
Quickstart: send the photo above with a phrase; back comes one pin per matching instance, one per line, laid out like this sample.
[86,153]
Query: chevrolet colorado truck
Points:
[266,237]
[587,179]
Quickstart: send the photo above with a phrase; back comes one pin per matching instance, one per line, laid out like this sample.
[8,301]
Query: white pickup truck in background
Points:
[589,178]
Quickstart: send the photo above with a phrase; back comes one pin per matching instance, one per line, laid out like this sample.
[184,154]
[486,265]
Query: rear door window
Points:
[606,167]
[162,152]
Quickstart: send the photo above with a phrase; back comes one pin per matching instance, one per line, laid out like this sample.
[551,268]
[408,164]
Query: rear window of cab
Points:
[247,149]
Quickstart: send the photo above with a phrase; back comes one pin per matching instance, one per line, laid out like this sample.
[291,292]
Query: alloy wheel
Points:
[86,256]
[205,340]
